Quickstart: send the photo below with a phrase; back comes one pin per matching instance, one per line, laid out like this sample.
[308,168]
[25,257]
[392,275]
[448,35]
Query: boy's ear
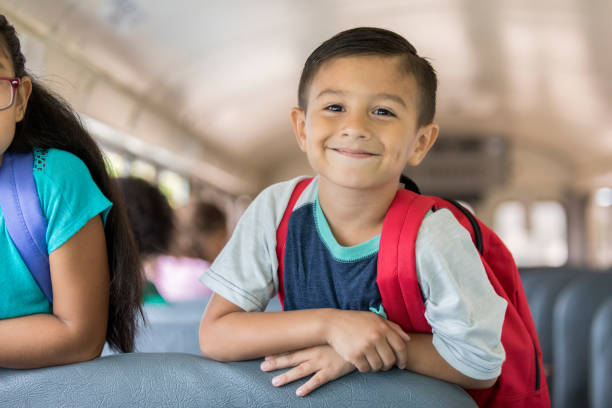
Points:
[425,139]
[23,94]
[298,119]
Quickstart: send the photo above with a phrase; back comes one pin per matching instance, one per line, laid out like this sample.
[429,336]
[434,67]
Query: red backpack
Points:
[522,382]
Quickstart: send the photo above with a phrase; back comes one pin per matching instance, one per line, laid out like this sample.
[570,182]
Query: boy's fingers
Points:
[399,331]
[315,382]
[295,373]
[399,346]
[361,363]
[387,355]
[282,361]
[375,363]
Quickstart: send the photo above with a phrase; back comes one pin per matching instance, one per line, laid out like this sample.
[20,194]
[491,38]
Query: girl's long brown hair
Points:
[49,122]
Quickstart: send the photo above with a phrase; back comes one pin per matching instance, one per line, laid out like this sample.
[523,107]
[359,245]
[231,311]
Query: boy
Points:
[366,107]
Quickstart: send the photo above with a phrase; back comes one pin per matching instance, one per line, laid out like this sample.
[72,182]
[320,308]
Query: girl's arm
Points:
[369,342]
[76,330]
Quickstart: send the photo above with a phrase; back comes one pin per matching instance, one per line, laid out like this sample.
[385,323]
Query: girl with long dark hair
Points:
[93,260]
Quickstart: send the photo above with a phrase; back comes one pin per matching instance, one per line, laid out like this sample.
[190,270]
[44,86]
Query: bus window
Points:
[548,233]
[144,170]
[117,165]
[174,186]
[510,223]
[600,226]
[535,235]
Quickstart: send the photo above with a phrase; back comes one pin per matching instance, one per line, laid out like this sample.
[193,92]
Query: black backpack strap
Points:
[409,184]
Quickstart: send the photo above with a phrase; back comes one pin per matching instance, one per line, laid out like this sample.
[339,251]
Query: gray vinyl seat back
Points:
[600,378]
[184,380]
[171,327]
[174,327]
[572,317]
[542,288]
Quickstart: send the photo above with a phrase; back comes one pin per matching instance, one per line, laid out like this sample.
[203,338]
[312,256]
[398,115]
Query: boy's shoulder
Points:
[270,204]
[278,194]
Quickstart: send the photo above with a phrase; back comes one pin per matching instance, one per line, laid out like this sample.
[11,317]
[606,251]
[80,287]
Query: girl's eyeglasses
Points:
[8,89]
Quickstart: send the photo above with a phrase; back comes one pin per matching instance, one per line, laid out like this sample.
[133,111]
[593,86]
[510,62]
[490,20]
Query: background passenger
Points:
[153,222]
[172,247]
[203,231]
[200,235]
[93,263]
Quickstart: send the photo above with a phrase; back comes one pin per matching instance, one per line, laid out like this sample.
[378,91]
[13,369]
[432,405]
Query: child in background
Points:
[366,108]
[153,223]
[93,260]
[200,234]
[203,228]
[174,250]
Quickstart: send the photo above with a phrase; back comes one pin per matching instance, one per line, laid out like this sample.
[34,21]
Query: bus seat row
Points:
[173,327]
[601,357]
[563,303]
[185,380]
[572,311]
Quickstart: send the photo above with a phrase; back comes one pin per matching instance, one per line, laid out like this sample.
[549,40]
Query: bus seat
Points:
[173,327]
[572,317]
[601,357]
[542,288]
[172,379]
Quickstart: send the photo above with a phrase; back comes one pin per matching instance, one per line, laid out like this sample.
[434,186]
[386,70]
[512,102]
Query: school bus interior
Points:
[195,97]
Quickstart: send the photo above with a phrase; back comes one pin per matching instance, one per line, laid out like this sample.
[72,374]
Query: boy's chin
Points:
[359,183]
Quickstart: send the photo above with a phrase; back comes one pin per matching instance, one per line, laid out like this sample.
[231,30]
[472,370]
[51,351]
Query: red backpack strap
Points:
[281,234]
[396,257]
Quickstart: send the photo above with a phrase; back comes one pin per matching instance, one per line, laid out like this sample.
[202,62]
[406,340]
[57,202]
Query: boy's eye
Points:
[335,108]
[383,112]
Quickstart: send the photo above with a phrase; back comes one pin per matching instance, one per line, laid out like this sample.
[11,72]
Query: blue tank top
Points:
[320,273]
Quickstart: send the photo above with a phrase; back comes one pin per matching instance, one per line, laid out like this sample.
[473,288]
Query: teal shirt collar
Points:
[339,252]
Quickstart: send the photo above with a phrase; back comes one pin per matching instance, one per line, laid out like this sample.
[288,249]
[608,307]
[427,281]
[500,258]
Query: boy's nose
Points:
[356,126]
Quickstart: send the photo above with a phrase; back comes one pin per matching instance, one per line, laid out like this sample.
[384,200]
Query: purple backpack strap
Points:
[23,216]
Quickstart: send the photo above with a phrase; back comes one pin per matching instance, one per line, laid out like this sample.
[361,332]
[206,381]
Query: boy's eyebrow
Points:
[394,98]
[330,91]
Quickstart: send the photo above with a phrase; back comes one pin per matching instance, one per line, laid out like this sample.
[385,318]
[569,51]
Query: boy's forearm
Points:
[423,358]
[43,340]
[248,335]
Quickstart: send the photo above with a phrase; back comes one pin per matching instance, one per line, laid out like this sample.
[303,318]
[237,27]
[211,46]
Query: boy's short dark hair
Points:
[374,41]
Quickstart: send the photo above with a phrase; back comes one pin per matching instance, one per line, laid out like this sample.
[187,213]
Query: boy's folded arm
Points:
[76,330]
[371,343]
[228,333]
[423,358]
[461,306]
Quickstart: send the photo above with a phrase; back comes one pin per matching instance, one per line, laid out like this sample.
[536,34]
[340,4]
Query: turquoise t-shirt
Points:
[69,198]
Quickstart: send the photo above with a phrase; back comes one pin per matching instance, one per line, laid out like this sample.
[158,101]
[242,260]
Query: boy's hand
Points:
[366,340]
[323,361]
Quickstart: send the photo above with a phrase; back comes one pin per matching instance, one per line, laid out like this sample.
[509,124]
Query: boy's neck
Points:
[355,215]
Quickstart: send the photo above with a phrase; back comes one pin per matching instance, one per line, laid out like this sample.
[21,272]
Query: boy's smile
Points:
[360,127]
[355,153]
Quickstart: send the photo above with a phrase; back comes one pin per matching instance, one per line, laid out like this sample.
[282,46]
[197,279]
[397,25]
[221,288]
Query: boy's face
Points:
[360,128]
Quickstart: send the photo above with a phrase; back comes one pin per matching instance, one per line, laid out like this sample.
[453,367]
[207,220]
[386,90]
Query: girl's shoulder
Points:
[62,175]
[53,160]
